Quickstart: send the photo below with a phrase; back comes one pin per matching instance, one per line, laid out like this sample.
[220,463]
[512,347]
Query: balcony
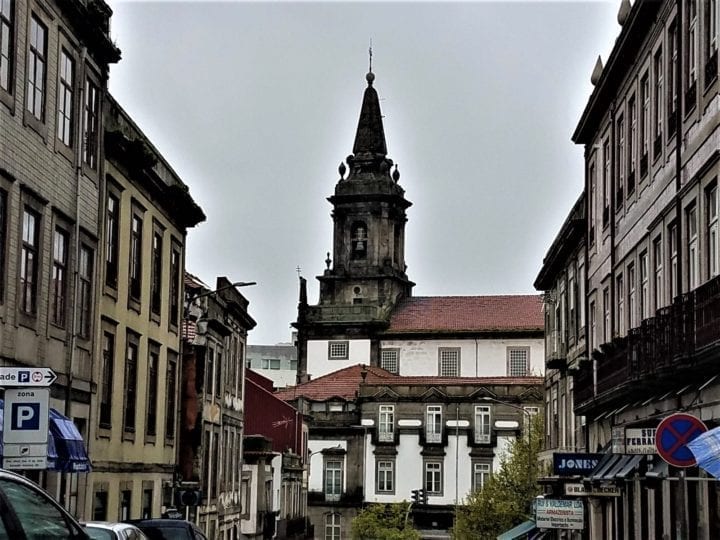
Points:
[666,349]
[556,351]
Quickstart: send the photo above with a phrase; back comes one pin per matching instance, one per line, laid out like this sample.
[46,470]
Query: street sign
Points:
[640,441]
[577,464]
[25,428]
[581,490]
[22,376]
[559,513]
[672,436]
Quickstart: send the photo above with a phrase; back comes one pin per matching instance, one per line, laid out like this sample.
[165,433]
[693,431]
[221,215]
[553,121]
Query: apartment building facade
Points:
[212,414]
[134,434]
[54,61]
[651,133]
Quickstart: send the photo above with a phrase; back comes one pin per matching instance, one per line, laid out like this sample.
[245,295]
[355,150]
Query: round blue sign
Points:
[672,436]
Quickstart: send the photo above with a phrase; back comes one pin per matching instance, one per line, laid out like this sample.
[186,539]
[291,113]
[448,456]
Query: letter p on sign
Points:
[25,416]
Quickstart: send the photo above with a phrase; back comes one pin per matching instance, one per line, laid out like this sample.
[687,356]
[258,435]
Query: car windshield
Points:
[166,533]
[97,533]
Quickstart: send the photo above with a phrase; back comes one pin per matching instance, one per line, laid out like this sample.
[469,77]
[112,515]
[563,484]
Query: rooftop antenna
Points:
[370,53]
[298,270]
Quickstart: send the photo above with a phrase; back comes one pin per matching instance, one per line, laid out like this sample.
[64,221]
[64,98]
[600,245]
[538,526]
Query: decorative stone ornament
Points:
[623,12]
[341,170]
[597,71]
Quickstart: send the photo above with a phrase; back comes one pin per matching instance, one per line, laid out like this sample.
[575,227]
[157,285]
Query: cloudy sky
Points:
[256,104]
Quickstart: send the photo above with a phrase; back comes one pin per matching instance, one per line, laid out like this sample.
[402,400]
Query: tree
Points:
[383,522]
[507,497]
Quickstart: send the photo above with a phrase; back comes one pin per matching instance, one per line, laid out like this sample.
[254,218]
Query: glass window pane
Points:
[39,517]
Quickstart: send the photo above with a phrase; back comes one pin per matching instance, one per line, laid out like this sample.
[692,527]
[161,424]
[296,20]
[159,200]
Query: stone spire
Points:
[370,136]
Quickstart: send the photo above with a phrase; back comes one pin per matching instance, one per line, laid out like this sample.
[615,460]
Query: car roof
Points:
[160,522]
[110,525]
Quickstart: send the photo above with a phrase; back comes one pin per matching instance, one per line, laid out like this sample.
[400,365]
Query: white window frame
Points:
[483,424]
[386,423]
[433,424]
[606,315]
[692,55]
[333,470]
[632,296]
[449,361]
[644,287]
[482,470]
[658,271]
[645,113]
[622,156]
[658,68]
[433,477]
[513,357]
[620,293]
[390,360]
[385,476]
[692,248]
[632,140]
[338,350]
[672,241]
[333,526]
[713,205]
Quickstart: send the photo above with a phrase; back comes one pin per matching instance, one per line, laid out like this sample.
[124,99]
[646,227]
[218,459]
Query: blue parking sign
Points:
[25,416]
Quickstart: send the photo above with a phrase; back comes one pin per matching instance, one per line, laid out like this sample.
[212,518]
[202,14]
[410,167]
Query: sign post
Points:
[25,428]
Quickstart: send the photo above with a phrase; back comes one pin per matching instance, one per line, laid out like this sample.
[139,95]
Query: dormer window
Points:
[359,240]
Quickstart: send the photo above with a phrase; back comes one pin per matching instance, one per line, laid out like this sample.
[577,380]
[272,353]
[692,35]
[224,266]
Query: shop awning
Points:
[66,448]
[516,532]
[616,467]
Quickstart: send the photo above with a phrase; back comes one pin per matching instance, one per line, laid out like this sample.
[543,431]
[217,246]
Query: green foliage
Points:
[384,522]
[506,499]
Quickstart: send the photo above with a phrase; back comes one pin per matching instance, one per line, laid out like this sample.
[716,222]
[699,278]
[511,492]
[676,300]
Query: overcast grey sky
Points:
[255,105]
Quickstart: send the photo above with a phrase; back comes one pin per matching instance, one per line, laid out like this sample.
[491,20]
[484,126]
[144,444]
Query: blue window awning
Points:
[516,532]
[66,448]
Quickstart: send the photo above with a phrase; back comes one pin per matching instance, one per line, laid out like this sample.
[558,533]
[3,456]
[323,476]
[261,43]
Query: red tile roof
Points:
[345,383]
[468,314]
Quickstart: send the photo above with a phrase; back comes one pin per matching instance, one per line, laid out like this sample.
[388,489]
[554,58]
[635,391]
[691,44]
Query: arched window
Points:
[359,240]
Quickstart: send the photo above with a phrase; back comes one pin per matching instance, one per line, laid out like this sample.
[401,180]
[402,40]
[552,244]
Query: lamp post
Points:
[529,415]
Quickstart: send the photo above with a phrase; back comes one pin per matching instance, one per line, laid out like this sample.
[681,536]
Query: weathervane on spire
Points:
[370,53]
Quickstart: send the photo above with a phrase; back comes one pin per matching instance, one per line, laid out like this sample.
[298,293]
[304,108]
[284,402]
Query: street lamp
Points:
[529,439]
[232,285]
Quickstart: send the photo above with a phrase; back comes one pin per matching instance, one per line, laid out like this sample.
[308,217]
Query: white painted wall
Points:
[478,358]
[317,356]
[280,377]
[247,526]
[315,482]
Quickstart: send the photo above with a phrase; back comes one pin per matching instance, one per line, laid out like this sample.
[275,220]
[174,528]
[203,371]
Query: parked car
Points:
[168,529]
[29,513]
[108,530]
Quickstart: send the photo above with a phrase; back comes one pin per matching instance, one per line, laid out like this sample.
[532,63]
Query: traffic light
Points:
[422,495]
[188,497]
[415,496]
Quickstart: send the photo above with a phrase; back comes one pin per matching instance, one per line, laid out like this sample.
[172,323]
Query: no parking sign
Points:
[672,436]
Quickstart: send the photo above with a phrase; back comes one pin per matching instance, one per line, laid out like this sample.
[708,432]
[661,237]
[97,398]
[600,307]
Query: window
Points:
[644,287]
[359,240]
[85,275]
[692,247]
[332,527]
[209,371]
[92,121]
[518,359]
[433,477]
[658,103]
[175,269]
[644,122]
[593,330]
[658,262]
[170,390]
[385,476]
[449,360]
[712,232]
[156,286]
[147,498]
[112,220]
[152,387]
[433,424]
[389,360]
[125,500]
[218,374]
[581,296]
[6,39]
[606,315]
[621,161]
[711,21]
[136,256]
[606,182]
[672,76]
[591,204]
[632,144]
[333,479]
[672,248]
[65,98]
[3,236]
[692,43]
[131,362]
[338,350]
[620,295]
[632,298]
[386,423]
[59,277]
[482,424]
[29,262]
[481,474]
[106,379]
[37,59]
[100,506]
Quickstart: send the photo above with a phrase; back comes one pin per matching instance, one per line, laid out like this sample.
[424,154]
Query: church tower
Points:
[365,275]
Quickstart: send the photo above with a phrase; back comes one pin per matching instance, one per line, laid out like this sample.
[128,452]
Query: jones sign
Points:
[574,464]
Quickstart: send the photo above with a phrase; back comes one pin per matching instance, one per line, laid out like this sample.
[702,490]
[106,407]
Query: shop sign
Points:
[559,513]
[640,441]
[618,440]
[579,490]
[578,464]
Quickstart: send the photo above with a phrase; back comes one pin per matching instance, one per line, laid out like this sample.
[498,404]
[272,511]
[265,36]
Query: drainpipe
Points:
[586,288]
[678,142]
